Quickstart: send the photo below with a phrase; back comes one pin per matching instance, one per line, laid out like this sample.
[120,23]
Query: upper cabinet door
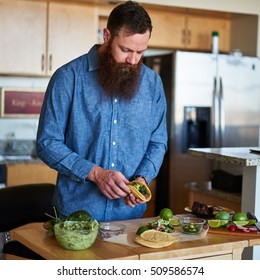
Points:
[199,32]
[37,38]
[72,30]
[23,37]
[180,30]
[168,29]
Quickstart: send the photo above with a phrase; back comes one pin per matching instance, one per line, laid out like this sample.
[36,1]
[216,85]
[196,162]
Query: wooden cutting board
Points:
[224,230]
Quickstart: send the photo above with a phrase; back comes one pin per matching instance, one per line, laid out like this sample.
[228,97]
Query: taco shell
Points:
[134,185]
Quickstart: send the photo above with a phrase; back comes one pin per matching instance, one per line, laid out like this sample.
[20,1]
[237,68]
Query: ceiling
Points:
[101,2]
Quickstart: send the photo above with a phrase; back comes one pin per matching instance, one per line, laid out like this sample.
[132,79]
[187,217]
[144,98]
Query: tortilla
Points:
[144,197]
[152,244]
[156,236]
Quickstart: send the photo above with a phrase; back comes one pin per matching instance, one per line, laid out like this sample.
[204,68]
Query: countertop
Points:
[212,246]
[238,156]
[16,159]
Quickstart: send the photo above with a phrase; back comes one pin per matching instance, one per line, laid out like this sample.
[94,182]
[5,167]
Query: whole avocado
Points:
[80,215]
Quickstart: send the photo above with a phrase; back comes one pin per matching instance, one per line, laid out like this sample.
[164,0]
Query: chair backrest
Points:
[24,204]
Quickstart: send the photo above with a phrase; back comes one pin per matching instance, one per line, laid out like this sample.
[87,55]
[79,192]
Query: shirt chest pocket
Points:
[137,115]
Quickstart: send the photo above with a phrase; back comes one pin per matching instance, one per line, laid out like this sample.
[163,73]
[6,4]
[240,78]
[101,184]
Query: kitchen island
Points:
[211,246]
[250,199]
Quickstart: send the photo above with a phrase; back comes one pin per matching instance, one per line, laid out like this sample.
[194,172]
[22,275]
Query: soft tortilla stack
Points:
[155,239]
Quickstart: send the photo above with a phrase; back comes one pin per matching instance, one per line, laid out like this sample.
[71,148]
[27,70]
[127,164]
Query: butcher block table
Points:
[34,237]
[211,246]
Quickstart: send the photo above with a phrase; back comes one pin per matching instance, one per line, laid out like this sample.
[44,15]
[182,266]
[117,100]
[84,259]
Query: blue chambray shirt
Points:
[80,127]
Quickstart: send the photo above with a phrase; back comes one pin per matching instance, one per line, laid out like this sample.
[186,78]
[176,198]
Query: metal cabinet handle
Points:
[222,111]
[183,33]
[215,115]
[188,37]
[50,62]
[43,62]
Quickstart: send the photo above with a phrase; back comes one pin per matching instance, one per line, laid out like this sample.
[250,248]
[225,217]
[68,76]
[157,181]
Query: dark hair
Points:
[129,15]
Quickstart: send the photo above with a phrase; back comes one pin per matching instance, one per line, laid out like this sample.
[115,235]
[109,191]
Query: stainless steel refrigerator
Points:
[213,101]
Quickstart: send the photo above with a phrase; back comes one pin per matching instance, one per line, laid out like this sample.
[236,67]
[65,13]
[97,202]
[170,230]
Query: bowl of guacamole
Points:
[76,235]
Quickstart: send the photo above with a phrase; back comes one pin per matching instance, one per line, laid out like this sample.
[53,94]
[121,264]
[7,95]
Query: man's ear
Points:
[106,35]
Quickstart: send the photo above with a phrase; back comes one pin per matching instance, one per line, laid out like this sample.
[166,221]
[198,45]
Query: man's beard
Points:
[118,79]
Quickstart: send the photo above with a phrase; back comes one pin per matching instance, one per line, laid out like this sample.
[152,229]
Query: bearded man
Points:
[103,122]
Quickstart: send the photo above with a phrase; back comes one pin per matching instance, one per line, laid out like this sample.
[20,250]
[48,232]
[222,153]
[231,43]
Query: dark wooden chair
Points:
[20,205]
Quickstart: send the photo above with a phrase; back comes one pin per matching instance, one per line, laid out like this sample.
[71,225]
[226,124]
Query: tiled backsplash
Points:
[17,147]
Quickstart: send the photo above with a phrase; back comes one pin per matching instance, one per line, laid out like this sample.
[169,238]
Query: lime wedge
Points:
[174,222]
[224,222]
[216,223]
[241,223]
[251,222]
[141,229]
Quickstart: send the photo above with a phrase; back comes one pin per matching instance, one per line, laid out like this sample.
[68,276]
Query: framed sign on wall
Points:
[21,102]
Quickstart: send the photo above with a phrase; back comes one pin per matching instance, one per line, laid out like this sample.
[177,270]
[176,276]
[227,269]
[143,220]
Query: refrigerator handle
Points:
[215,116]
[222,113]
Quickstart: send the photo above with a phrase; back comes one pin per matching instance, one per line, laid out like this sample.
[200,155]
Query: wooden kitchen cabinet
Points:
[199,32]
[37,38]
[168,29]
[29,173]
[188,31]
[72,32]
[23,37]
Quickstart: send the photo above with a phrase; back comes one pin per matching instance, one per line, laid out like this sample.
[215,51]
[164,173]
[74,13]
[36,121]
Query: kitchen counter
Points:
[212,246]
[238,156]
[14,159]
[250,198]
[14,150]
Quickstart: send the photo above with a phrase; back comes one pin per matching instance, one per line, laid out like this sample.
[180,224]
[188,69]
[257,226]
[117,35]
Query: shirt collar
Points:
[93,58]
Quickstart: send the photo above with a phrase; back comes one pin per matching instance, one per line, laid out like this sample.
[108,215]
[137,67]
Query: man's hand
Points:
[131,200]
[112,184]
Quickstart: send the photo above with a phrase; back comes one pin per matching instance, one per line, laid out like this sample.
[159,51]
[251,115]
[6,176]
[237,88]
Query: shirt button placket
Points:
[114,133]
